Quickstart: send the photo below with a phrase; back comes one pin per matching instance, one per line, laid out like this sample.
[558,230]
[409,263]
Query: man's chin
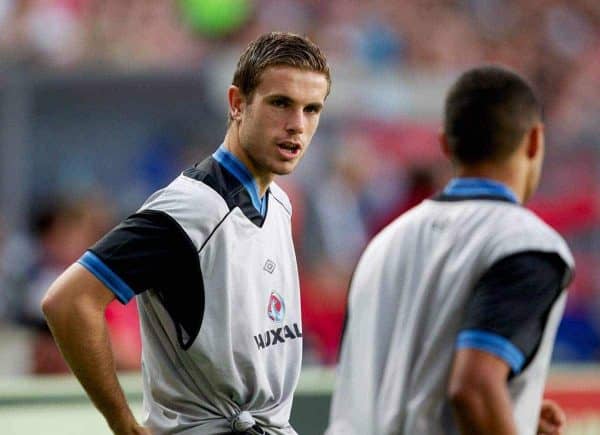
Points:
[284,169]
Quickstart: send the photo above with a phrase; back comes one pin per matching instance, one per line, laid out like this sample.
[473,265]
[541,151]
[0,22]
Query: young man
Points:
[453,308]
[211,261]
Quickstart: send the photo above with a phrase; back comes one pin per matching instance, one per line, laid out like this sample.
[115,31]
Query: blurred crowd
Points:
[554,43]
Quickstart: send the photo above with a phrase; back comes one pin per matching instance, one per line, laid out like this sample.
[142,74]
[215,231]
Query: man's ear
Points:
[535,141]
[236,102]
[444,146]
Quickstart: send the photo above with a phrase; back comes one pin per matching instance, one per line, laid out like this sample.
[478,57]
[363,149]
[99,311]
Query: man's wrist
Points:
[126,425]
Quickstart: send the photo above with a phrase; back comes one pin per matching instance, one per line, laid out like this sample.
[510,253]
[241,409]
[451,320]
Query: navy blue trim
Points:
[239,171]
[91,262]
[214,175]
[478,187]
[492,343]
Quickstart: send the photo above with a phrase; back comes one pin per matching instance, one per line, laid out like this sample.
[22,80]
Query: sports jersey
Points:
[214,270]
[470,268]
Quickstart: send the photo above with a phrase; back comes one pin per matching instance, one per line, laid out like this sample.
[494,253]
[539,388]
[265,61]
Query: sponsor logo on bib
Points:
[276,308]
[275,336]
[272,337]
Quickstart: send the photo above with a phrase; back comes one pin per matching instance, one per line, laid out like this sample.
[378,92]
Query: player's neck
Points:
[501,174]
[233,145]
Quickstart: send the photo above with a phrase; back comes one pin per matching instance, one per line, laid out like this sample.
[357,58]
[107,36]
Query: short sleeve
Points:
[510,304]
[148,250]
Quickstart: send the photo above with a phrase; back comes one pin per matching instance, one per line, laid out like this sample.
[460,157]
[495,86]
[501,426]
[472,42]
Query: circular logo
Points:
[276,308]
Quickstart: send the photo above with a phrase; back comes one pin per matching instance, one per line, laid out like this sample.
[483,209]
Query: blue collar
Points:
[239,171]
[476,187]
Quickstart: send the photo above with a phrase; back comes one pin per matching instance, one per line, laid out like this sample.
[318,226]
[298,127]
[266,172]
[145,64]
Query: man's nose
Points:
[295,122]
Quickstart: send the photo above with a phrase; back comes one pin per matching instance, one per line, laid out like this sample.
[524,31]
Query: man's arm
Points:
[74,308]
[479,395]
[502,327]
[480,400]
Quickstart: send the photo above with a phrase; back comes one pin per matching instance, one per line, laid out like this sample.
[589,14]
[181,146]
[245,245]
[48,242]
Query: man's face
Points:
[277,124]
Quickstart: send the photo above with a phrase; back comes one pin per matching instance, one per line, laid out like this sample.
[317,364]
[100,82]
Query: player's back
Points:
[406,301]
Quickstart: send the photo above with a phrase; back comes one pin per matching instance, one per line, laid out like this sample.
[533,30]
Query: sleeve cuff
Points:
[92,263]
[494,344]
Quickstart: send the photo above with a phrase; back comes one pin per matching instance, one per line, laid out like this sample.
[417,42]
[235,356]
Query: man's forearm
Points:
[479,395]
[80,330]
[487,410]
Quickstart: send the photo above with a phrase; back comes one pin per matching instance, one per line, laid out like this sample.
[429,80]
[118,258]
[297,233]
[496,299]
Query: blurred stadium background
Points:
[103,101]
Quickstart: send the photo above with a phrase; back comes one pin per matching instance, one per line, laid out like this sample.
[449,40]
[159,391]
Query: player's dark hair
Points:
[277,49]
[487,112]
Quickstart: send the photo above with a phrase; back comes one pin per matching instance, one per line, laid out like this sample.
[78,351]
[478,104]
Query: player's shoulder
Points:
[280,197]
[518,229]
[414,216]
[192,204]
[404,225]
[521,220]
[185,194]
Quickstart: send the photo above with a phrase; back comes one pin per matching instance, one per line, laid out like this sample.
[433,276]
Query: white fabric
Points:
[405,306]
[201,390]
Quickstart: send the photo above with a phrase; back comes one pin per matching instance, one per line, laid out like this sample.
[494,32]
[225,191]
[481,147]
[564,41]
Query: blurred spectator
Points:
[71,33]
[390,59]
[4,305]
[340,222]
[324,288]
[421,185]
[14,339]
[63,230]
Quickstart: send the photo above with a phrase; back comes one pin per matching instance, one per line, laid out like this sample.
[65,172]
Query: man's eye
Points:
[280,103]
[311,109]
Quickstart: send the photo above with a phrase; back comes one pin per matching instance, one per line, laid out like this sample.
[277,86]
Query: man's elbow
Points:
[470,394]
[463,396]
[52,304]
[472,388]
[75,294]
[58,298]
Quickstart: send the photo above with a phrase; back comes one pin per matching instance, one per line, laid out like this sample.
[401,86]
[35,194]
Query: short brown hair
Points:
[277,49]
[487,112]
